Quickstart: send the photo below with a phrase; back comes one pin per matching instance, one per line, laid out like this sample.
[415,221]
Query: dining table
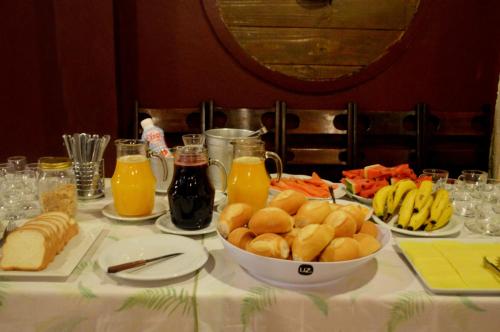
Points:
[384,294]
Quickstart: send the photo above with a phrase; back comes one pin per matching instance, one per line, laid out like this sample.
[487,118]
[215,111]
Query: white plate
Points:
[339,192]
[364,200]
[449,291]
[165,224]
[194,256]
[159,209]
[454,226]
[68,258]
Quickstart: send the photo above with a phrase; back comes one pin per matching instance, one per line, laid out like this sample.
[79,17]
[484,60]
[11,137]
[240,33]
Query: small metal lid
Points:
[54,162]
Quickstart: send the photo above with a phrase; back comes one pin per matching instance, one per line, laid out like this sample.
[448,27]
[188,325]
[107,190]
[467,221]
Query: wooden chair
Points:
[246,118]
[459,140]
[174,121]
[317,139]
[392,137]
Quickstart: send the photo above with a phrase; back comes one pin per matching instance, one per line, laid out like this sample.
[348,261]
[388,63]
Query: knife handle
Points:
[126,266]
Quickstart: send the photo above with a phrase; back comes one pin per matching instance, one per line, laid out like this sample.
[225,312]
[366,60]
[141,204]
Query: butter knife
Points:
[493,263]
[140,262]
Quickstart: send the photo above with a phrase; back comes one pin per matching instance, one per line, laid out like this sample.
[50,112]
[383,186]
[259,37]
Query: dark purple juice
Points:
[191,196]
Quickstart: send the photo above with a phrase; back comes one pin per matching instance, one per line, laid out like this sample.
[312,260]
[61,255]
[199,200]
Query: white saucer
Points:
[194,256]
[165,224]
[159,209]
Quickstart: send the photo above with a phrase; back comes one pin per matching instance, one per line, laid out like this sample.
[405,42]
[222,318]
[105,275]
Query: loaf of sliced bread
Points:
[33,246]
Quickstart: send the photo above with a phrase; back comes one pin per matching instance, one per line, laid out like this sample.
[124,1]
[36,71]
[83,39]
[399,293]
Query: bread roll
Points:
[240,237]
[312,212]
[233,216]
[367,244]
[343,223]
[357,212]
[341,249]
[334,206]
[310,241]
[270,220]
[290,236]
[289,200]
[369,228]
[269,245]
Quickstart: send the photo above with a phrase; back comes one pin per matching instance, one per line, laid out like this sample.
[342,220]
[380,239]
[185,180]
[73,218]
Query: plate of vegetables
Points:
[313,186]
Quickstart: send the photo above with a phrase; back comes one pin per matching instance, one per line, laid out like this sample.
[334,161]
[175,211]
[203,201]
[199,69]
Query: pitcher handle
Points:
[222,171]
[163,162]
[277,161]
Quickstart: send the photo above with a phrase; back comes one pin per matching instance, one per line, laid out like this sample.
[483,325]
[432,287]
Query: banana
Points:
[441,201]
[444,218]
[406,209]
[380,199]
[418,219]
[424,192]
[401,188]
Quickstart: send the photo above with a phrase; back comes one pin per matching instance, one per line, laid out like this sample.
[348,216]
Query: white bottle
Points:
[154,135]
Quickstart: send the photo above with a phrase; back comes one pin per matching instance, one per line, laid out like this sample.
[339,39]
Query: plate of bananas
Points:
[415,209]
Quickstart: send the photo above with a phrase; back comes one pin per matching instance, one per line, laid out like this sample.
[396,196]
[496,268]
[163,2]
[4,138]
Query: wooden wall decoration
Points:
[313,45]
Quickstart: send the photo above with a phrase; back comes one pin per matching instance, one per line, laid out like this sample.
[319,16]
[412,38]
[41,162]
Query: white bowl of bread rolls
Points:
[299,242]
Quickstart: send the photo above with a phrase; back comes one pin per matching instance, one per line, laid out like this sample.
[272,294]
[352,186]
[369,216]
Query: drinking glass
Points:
[437,176]
[17,162]
[193,139]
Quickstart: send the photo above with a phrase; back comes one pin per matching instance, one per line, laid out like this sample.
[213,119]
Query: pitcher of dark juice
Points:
[191,194]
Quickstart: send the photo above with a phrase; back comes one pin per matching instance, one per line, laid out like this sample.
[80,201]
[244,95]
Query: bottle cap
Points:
[147,123]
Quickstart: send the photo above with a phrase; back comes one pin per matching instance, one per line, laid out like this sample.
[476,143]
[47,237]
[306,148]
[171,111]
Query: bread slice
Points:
[26,249]
[34,245]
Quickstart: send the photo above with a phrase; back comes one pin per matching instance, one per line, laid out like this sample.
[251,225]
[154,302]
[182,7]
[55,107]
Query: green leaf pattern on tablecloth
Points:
[162,299]
[318,302]
[407,306]
[58,324]
[469,304]
[259,299]
[86,292]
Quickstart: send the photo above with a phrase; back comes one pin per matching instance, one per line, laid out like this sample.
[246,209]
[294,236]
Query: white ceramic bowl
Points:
[286,273]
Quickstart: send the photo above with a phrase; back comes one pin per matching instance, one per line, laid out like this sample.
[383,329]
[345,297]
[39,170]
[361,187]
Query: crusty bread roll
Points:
[334,206]
[233,216]
[290,236]
[310,241]
[367,244]
[312,212]
[289,200]
[369,228]
[357,212]
[240,237]
[34,245]
[270,220]
[269,245]
[341,249]
[343,223]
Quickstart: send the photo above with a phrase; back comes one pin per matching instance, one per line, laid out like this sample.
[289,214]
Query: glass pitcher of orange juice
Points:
[248,180]
[133,183]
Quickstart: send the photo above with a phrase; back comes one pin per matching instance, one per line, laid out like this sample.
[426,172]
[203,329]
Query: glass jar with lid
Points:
[57,185]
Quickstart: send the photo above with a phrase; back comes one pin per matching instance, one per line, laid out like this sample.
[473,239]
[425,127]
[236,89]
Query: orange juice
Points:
[248,182]
[133,186]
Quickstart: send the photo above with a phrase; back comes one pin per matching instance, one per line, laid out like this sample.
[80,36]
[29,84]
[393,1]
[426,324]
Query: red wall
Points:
[58,67]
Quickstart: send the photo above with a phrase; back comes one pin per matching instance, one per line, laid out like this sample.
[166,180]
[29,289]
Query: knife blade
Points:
[140,262]
[493,263]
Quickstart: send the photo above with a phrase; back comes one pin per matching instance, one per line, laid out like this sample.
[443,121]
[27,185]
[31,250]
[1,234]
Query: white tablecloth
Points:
[383,295]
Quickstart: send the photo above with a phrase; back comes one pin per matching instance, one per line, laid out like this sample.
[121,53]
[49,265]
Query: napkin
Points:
[453,264]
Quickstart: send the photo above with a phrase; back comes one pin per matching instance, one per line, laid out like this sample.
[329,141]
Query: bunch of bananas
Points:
[418,208]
